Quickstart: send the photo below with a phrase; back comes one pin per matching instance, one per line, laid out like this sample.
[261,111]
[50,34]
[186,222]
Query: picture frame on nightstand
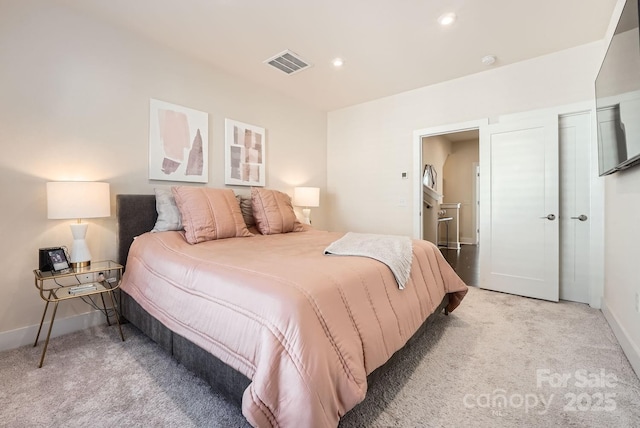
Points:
[58,259]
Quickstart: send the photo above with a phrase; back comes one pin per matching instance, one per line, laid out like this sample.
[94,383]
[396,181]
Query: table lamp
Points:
[306,197]
[78,199]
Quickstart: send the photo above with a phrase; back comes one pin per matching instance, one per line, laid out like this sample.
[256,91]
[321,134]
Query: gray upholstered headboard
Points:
[135,215]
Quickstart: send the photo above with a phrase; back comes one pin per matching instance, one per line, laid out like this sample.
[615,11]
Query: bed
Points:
[287,332]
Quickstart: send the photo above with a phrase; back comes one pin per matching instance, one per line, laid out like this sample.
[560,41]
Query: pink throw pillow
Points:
[209,214]
[273,212]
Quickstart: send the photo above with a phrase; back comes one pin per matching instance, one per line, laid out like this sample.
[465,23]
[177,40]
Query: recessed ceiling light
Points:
[488,59]
[337,62]
[447,19]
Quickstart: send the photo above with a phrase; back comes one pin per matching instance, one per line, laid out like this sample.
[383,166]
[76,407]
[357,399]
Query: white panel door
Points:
[574,207]
[519,208]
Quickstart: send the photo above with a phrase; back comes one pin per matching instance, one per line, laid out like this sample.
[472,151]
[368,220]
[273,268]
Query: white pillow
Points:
[168,213]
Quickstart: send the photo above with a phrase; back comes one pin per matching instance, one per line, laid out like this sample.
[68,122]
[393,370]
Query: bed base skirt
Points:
[220,376]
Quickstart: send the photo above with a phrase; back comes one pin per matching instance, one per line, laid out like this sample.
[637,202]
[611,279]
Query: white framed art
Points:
[178,143]
[244,154]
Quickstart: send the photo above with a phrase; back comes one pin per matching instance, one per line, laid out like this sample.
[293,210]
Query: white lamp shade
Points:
[306,196]
[78,199]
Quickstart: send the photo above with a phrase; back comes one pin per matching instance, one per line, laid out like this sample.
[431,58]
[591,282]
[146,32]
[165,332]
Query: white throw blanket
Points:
[394,251]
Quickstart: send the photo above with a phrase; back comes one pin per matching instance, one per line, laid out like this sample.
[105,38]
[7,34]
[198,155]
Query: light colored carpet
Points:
[491,363]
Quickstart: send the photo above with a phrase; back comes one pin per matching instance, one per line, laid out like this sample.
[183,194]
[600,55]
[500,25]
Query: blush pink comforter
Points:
[306,328]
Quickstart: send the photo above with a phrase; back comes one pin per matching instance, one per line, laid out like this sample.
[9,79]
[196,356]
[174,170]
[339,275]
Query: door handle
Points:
[550,217]
[581,217]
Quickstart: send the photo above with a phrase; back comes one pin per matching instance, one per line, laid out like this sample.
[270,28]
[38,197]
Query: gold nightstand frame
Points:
[60,293]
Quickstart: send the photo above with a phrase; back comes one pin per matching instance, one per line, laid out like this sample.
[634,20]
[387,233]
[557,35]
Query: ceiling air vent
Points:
[288,62]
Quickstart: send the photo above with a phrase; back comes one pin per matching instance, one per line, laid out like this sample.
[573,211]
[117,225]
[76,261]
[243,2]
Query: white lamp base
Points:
[80,255]
[306,212]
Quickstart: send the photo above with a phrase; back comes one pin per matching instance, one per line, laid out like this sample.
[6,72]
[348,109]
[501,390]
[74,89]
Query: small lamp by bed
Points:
[78,199]
[306,197]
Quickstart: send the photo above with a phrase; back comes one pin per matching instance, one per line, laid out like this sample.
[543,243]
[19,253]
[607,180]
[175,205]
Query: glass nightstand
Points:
[88,283]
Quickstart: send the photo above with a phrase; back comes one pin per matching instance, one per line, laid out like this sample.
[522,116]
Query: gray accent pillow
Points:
[247,210]
[168,213]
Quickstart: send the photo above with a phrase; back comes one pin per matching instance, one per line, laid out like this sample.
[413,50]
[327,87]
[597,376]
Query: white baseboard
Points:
[26,335]
[467,241]
[449,246]
[630,349]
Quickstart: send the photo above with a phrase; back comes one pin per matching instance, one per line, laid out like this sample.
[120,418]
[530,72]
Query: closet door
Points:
[519,236]
[574,207]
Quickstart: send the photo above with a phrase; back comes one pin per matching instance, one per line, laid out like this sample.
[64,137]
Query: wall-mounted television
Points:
[618,96]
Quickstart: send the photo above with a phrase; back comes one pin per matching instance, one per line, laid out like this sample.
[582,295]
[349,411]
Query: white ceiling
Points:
[389,46]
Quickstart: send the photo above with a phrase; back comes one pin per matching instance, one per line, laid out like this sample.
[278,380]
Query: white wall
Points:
[74,104]
[622,276]
[622,234]
[370,145]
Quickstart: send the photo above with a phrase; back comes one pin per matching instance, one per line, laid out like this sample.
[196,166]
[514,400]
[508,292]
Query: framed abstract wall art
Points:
[244,154]
[178,143]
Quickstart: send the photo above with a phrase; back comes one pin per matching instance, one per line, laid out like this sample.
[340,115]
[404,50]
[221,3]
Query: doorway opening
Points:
[452,224]
[448,209]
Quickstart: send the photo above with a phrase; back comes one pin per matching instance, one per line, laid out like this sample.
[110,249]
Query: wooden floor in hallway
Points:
[466,263]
